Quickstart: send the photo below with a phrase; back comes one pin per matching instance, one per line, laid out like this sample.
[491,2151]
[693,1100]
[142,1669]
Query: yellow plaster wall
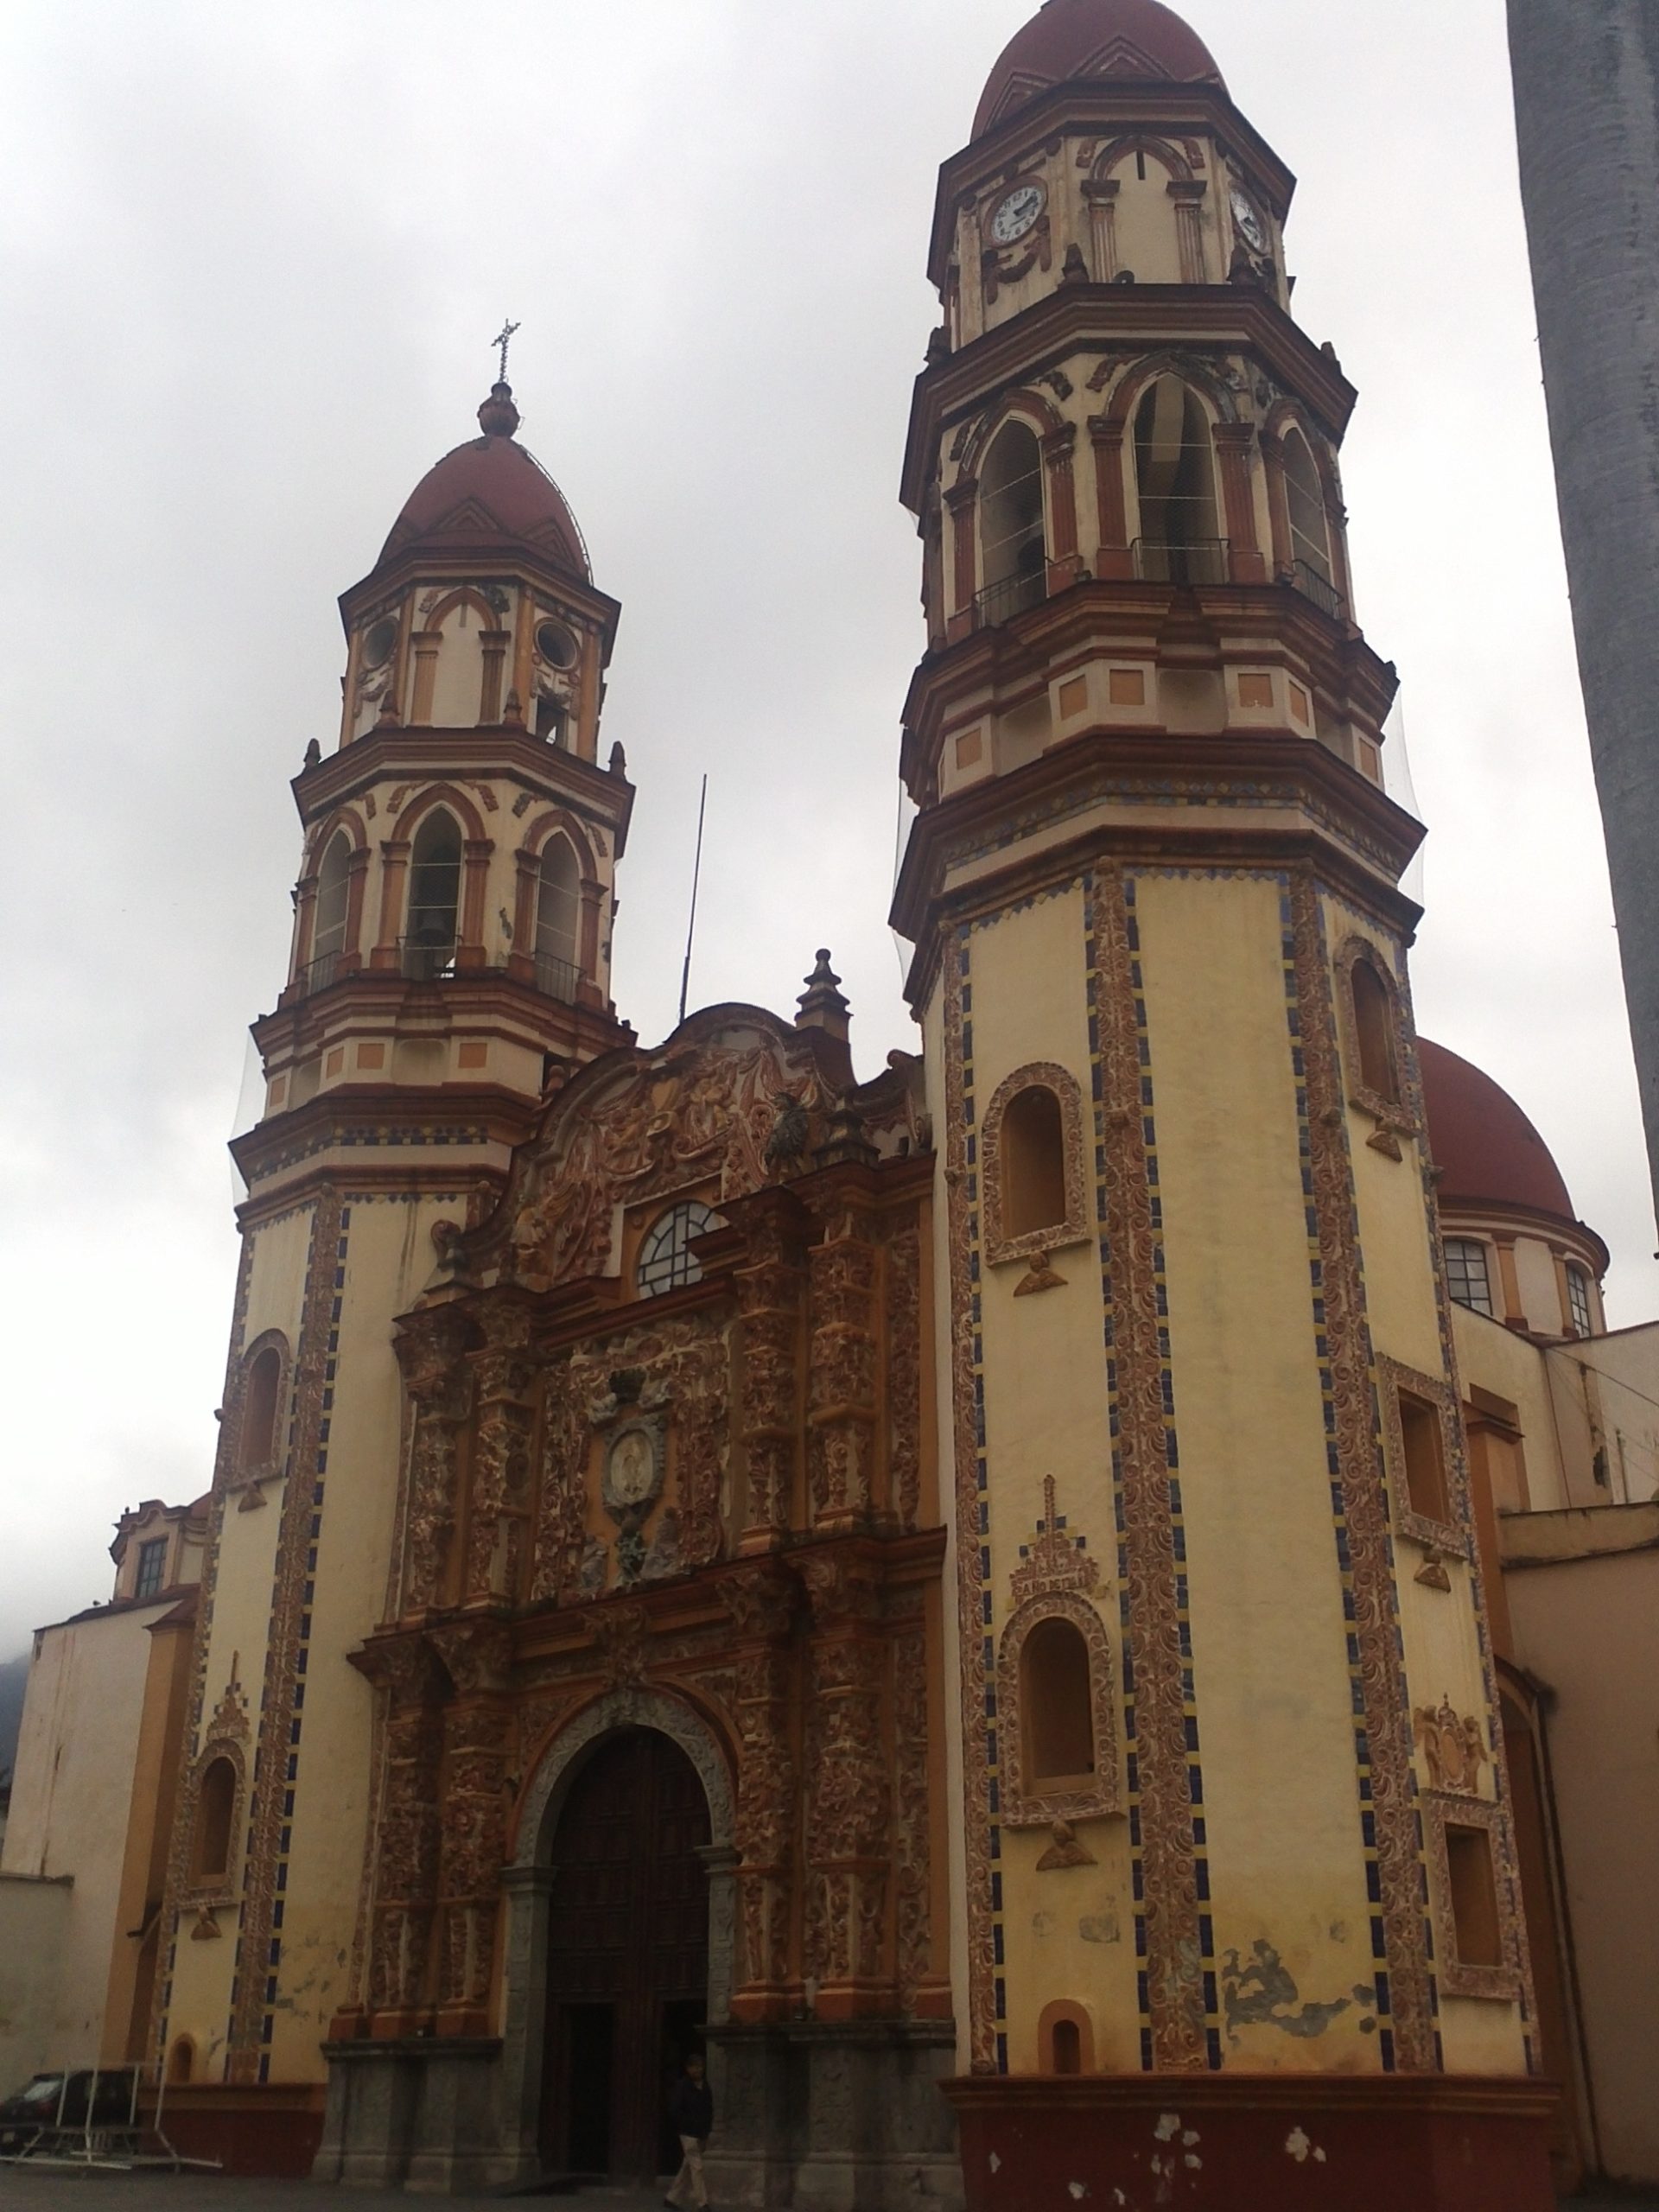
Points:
[389,1259]
[202,1971]
[1068,1933]
[1281,1788]
[1492,1358]
[276,1285]
[1623,1370]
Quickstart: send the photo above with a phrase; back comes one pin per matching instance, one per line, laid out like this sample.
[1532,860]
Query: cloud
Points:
[253,259]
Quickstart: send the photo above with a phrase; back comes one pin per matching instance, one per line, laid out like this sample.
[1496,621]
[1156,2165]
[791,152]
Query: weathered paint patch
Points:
[1263,1994]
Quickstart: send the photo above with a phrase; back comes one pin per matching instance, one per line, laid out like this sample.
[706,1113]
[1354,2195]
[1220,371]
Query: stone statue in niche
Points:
[1453,1746]
[663,1559]
[591,1575]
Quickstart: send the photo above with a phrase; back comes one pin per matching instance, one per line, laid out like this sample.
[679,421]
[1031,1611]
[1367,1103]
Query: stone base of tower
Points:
[834,2117]
[1218,2142]
[423,2113]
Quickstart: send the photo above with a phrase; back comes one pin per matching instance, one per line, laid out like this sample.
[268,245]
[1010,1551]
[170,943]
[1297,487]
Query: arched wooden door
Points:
[627,1972]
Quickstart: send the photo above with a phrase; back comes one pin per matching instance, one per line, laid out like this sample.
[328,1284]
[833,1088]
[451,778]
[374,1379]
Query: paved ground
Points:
[22,2191]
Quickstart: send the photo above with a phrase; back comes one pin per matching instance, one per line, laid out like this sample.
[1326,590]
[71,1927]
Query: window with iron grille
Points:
[1577,1299]
[152,1566]
[1465,1274]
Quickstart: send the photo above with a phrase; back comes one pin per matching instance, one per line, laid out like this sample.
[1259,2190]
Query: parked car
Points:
[64,2100]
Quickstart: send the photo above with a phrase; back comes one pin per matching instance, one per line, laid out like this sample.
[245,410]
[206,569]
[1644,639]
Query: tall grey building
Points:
[1586,97]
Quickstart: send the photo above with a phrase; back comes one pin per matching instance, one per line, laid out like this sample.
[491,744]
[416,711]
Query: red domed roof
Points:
[1487,1150]
[1094,38]
[487,490]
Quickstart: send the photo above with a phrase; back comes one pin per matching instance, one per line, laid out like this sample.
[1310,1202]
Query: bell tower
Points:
[1213,1549]
[450,963]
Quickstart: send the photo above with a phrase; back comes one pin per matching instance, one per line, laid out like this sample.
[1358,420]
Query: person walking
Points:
[691,2109]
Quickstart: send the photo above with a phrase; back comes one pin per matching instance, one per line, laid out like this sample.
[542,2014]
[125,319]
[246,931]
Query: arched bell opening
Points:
[620,1950]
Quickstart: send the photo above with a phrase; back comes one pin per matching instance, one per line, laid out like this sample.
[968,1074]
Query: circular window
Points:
[666,1260]
[554,644]
[378,644]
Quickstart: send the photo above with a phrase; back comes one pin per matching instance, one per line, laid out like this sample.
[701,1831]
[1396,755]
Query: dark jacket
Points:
[691,2107]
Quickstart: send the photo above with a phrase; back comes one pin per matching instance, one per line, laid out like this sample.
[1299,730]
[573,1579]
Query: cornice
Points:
[1497,1214]
[514,558]
[472,998]
[1132,617]
[1120,317]
[458,1120]
[500,748]
[1005,816]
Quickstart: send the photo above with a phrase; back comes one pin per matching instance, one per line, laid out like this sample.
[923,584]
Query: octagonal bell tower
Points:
[1217,1891]
[450,964]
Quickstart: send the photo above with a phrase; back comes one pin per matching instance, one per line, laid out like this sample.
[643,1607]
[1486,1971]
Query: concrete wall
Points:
[1587,93]
[33,1921]
[70,1804]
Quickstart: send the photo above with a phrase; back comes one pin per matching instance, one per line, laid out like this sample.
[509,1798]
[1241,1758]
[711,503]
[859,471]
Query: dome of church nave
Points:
[1094,38]
[488,489]
[1488,1152]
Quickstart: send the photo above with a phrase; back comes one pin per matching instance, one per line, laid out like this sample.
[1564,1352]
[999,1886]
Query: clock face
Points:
[1247,223]
[632,1468]
[1017,213]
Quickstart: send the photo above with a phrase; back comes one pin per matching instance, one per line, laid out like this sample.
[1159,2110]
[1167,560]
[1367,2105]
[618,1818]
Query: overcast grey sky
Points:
[250,262]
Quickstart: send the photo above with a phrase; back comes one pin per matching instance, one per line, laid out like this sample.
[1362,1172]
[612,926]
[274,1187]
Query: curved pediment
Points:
[733,1100]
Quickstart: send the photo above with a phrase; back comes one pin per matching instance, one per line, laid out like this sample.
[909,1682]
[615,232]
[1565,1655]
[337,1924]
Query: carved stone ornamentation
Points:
[1381,1681]
[432,1350]
[1454,1747]
[842,1415]
[1055,1587]
[763,1602]
[660,1127]
[406,1842]
[1003,1239]
[904,1393]
[1173,1935]
[1064,1850]
[623,1635]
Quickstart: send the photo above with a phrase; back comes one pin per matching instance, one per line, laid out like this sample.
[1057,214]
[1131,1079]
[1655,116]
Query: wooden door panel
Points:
[628,1930]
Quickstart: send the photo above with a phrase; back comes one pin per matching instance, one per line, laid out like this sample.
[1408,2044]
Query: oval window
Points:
[556,644]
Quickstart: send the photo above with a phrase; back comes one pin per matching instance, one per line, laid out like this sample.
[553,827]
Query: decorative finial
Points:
[821,1003]
[504,339]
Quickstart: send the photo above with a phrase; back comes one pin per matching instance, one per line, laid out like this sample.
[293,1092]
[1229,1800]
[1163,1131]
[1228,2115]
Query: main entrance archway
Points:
[627,1954]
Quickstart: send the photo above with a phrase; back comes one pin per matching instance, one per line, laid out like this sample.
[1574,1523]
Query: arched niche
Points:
[1145,204]
[459,657]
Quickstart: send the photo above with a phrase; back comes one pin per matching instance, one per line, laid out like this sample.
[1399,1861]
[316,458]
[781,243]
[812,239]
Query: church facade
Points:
[921,1584]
